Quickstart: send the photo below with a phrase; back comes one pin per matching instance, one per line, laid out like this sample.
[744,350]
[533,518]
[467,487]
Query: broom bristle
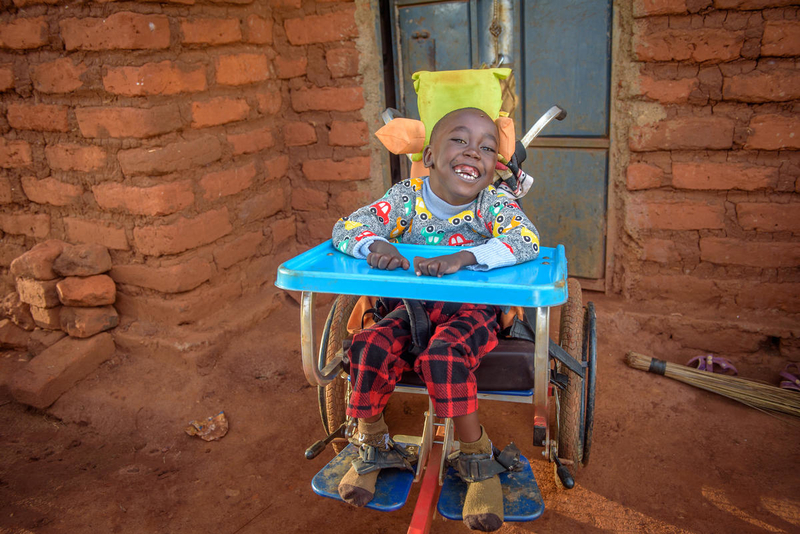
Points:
[754,394]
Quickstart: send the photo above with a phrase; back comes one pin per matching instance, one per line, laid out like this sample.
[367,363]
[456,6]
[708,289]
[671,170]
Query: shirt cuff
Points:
[491,255]
[361,250]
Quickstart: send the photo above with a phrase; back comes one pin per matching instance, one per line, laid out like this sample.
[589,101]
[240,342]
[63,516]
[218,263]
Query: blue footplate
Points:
[391,489]
[522,500]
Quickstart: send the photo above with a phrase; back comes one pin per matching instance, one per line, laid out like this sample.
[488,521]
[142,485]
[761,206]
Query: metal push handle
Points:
[317,372]
[554,112]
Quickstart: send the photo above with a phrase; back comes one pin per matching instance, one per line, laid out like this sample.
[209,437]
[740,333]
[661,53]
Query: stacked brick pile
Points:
[713,185]
[61,310]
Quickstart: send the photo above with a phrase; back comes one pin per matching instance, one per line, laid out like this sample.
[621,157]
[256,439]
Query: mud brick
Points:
[781,38]
[12,336]
[241,69]
[645,8]
[6,194]
[348,133]
[348,170]
[331,27]
[768,217]
[228,182]
[185,234]
[167,279]
[120,31]
[86,322]
[309,199]
[276,168]
[259,29]
[218,111]
[57,369]
[299,134]
[670,215]
[269,102]
[41,293]
[237,250]
[37,263]
[643,176]
[251,141]
[80,291]
[47,318]
[92,231]
[790,348]
[685,133]
[83,260]
[11,307]
[74,157]
[164,78]
[211,31]
[328,99]
[104,122]
[282,230]
[59,76]
[40,340]
[51,191]
[290,68]
[24,33]
[731,251]
[14,154]
[6,77]
[161,199]
[764,296]
[170,158]
[342,62]
[723,176]
[757,87]
[39,117]
[263,206]
[698,45]
[34,225]
[667,91]
[774,132]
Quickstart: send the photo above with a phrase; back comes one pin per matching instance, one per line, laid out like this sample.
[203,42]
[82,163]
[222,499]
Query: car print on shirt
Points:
[343,245]
[457,240]
[529,237]
[432,235]
[408,205]
[362,235]
[422,211]
[381,209]
[399,228]
[502,227]
[350,225]
[466,216]
[414,183]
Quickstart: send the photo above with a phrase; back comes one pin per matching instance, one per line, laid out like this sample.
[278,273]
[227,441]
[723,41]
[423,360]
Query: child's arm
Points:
[441,265]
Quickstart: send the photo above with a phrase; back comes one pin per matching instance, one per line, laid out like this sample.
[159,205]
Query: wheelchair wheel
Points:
[570,417]
[333,397]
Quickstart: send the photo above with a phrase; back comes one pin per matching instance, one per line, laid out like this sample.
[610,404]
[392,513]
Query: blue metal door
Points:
[560,51]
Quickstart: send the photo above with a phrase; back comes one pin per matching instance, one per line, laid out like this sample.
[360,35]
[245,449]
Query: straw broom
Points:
[754,394]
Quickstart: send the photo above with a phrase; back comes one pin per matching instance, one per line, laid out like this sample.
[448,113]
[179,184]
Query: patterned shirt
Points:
[493,226]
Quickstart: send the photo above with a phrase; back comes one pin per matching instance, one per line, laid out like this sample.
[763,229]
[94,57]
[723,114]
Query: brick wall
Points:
[710,210]
[199,140]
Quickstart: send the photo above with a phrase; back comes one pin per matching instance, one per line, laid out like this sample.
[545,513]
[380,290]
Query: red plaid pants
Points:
[462,334]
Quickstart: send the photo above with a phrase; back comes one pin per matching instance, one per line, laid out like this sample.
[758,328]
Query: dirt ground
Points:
[111,455]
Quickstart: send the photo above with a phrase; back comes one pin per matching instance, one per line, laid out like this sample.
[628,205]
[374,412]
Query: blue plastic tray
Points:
[323,269]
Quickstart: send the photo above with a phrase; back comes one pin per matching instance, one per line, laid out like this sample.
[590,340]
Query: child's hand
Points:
[383,255]
[443,264]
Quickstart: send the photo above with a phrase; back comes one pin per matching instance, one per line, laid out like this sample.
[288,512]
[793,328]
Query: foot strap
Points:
[371,458]
[477,467]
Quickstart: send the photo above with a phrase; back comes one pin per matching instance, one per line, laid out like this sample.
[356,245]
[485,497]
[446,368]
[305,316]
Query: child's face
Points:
[461,156]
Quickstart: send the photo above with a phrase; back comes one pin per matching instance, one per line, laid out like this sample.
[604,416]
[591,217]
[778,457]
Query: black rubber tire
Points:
[333,397]
[591,380]
[570,438]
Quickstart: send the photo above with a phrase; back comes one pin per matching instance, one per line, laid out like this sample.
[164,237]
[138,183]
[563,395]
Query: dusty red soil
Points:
[111,455]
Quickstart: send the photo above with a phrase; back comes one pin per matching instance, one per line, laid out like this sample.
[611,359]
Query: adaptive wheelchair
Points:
[557,379]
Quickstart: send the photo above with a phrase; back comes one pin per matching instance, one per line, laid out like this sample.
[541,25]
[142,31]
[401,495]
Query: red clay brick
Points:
[262,206]
[680,288]
[666,215]
[781,38]
[259,30]
[276,167]
[57,369]
[105,233]
[299,134]
[282,230]
[14,154]
[237,250]
[723,176]
[86,322]
[23,3]
[103,122]
[220,110]
[120,31]
[660,250]
[348,133]
[37,225]
[170,158]
[59,76]
[169,279]
[331,27]
[228,182]
[773,132]
[156,200]
[185,234]
[667,91]
[40,117]
[342,62]
[6,195]
[42,340]
[83,291]
[350,169]
[6,77]
[17,311]
[778,86]
[241,69]
[73,157]
[685,133]
[251,141]
[698,45]
[285,4]
[40,293]
[47,318]
[646,8]
[764,296]
[182,309]
[308,199]
[9,252]
[24,33]
[290,68]
[164,78]
[769,216]
[83,260]
[12,336]
[730,251]
[37,263]
[211,31]
[270,102]
[51,191]
[643,176]
[328,99]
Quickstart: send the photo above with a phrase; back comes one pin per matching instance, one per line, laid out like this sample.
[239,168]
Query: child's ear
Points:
[427,157]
